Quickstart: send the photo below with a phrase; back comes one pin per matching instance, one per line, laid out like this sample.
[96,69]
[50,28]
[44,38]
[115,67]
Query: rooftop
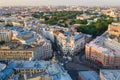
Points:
[109,74]
[26,40]
[28,64]
[78,36]
[116,24]
[53,69]
[2,66]
[4,74]
[89,75]
[106,44]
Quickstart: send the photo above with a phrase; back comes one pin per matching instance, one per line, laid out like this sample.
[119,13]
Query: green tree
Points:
[2,42]
[8,25]
[95,28]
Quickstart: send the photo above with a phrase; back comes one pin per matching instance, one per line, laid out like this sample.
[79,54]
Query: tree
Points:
[54,17]
[9,25]
[72,22]
[95,28]
[84,21]
[2,42]
[98,26]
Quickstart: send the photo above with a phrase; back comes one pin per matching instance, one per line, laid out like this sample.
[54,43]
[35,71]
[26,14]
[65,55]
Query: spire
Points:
[54,59]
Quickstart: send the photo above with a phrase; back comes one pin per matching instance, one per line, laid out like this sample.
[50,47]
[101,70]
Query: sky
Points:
[59,2]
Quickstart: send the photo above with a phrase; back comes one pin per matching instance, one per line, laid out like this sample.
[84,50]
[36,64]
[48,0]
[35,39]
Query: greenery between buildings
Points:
[64,17]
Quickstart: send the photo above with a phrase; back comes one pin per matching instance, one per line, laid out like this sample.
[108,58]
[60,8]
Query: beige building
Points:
[105,50]
[26,42]
[83,16]
[5,35]
[114,29]
[16,55]
[18,23]
[23,52]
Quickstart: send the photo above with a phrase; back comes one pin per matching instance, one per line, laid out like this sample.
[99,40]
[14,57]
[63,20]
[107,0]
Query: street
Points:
[75,65]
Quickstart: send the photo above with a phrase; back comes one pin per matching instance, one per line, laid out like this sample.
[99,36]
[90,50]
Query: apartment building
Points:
[16,55]
[70,44]
[105,49]
[25,45]
[114,29]
[69,41]
[5,35]
[25,52]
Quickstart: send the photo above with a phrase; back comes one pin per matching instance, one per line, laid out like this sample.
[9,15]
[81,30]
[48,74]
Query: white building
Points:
[68,41]
[48,33]
[44,51]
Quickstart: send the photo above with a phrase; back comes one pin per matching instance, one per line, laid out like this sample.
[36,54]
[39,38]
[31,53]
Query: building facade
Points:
[68,40]
[16,55]
[5,35]
[105,49]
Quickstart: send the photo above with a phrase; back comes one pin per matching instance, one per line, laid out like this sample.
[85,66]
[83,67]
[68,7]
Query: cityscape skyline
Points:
[59,40]
[59,2]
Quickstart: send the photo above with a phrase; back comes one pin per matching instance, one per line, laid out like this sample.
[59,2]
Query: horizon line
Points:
[60,5]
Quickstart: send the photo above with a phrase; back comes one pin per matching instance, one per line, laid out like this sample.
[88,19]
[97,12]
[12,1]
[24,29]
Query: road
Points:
[75,65]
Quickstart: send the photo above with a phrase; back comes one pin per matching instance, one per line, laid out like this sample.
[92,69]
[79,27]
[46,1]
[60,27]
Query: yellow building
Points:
[16,55]
[114,29]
